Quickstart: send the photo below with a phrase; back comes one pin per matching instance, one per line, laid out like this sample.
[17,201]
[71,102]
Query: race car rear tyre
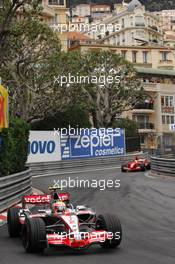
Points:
[122,169]
[111,224]
[34,235]
[14,226]
[142,167]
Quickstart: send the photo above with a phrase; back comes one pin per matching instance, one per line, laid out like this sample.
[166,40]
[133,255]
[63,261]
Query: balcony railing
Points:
[166,61]
[149,106]
[146,126]
[57,2]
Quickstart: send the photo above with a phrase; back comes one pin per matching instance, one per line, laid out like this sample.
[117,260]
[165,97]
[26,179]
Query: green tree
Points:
[117,89]
[130,126]
[28,52]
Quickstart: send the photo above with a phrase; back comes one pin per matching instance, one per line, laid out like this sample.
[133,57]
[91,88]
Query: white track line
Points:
[74,172]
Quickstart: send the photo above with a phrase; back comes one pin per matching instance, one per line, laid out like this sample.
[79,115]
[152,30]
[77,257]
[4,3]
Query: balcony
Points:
[48,11]
[167,109]
[57,2]
[146,127]
[144,108]
[166,64]
[150,87]
[155,28]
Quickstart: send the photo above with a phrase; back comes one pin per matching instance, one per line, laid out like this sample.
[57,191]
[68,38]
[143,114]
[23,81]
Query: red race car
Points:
[53,221]
[139,164]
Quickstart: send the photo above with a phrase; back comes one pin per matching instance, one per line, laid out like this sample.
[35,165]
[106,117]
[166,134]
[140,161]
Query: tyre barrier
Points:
[161,166]
[13,187]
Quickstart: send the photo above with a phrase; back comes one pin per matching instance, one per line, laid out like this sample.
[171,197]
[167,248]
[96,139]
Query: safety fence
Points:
[162,166]
[54,167]
[13,187]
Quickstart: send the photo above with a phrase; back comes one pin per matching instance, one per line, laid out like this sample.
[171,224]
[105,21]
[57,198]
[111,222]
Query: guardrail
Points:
[53,167]
[13,187]
[161,166]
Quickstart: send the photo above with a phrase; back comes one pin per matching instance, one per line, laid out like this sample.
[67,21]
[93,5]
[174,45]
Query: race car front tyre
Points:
[112,225]
[122,169]
[13,223]
[148,167]
[34,235]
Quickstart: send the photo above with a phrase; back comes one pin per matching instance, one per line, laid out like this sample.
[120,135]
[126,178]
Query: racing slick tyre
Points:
[142,167]
[148,167]
[122,168]
[14,226]
[34,235]
[111,224]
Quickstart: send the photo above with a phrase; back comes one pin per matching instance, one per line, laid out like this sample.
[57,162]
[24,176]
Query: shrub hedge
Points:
[13,149]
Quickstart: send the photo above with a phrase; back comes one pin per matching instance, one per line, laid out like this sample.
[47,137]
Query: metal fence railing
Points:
[13,187]
[162,166]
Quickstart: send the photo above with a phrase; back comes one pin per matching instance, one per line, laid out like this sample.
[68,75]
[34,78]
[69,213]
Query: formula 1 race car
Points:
[55,222]
[139,164]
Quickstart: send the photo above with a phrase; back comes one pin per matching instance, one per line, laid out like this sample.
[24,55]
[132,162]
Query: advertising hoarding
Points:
[93,143]
[43,146]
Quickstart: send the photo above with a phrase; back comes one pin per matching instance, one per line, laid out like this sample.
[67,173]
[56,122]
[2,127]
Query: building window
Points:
[164,55]
[145,57]
[134,56]
[132,36]
[142,139]
[167,101]
[168,119]
[139,21]
[123,23]
[163,120]
[141,118]
[56,2]
[124,54]
[123,37]
[56,19]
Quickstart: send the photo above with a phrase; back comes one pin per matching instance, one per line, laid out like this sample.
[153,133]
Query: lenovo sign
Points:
[43,146]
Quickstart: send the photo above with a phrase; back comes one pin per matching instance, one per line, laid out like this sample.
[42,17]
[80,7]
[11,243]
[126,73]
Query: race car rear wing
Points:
[36,199]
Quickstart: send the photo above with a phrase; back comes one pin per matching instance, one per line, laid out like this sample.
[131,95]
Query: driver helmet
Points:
[136,158]
[58,206]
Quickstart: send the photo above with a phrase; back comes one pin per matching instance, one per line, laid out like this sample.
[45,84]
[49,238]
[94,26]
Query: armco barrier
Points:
[54,167]
[162,166]
[13,187]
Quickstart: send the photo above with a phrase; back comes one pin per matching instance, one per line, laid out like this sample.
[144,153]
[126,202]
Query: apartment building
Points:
[136,26]
[55,12]
[100,12]
[167,22]
[156,68]
[95,11]
[81,10]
